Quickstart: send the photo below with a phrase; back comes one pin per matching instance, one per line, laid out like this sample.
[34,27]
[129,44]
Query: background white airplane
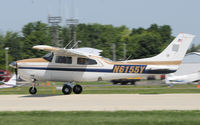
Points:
[86,64]
[10,83]
[182,79]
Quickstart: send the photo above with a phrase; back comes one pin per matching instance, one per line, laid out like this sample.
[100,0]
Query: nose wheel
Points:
[32,90]
[68,88]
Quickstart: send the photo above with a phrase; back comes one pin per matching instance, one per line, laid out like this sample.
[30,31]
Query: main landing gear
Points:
[69,87]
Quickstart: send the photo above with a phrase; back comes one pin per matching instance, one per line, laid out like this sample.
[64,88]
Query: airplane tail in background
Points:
[11,83]
[182,79]
[175,51]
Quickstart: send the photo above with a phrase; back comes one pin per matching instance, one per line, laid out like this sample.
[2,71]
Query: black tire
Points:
[77,89]
[124,83]
[67,89]
[32,90]
[132,82]
[114,82]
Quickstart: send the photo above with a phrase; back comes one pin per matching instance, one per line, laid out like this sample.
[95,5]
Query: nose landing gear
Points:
[33,89]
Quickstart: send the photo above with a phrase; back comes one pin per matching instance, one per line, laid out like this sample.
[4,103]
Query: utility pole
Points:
[6,56]
[124,51]
[114,51]
[72,23]
[54,21]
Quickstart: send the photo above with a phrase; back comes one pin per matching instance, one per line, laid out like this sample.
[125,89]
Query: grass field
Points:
[106,88]
[101,118]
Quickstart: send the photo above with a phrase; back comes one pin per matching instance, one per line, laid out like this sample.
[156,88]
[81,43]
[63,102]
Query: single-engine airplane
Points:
[86,64]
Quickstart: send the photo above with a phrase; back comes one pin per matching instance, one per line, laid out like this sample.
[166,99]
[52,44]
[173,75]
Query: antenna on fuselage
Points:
[68,44]
[76,44]
[128,57]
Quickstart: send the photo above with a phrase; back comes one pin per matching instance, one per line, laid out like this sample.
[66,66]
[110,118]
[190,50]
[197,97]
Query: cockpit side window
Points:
[86,61]
[48,56]
[63,59]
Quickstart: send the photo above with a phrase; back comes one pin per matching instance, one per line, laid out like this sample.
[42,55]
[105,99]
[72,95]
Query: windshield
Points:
[48,57]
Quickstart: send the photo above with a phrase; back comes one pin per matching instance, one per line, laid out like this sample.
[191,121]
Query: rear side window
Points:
[86,61]
[63,59]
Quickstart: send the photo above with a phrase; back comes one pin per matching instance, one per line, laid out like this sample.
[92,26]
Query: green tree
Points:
[140,42]
[149,42]
[102,37]
[2,53]
[36,33]
[64,36]
[15,44]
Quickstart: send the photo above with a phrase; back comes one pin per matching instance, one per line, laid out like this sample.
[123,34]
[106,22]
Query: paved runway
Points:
[100,102]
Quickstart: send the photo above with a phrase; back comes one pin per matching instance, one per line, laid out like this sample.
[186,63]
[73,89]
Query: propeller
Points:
[14,65]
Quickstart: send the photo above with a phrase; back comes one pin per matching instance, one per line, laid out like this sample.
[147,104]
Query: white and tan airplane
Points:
[86,64]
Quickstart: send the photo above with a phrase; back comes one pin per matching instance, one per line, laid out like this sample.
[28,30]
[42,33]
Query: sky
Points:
[181,15]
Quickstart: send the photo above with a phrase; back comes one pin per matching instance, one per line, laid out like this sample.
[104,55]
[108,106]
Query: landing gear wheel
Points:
[67,89]
[77,89]
[32,90]
[132,82]
[124,83]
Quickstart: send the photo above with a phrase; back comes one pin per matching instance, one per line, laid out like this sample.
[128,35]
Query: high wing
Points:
[87,52]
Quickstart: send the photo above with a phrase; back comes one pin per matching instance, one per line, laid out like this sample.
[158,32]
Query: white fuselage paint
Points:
[42,71]
[165,62]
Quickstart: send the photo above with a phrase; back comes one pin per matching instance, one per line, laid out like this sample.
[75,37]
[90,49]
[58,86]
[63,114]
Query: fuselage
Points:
[95,68]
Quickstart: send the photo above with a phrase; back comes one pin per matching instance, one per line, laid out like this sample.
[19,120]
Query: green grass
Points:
[128,89]
[101,118]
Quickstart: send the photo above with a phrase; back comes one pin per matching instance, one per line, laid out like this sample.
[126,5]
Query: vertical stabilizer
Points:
[175,51]
[12,81]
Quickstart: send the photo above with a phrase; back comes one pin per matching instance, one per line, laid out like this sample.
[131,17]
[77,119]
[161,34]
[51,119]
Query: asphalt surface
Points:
[100,102]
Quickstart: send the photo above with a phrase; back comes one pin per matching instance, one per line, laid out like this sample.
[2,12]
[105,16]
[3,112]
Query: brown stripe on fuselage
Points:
[150,63]
[140,63]
[32,60]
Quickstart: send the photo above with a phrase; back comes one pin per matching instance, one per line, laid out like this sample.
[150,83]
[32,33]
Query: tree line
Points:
[140,42]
